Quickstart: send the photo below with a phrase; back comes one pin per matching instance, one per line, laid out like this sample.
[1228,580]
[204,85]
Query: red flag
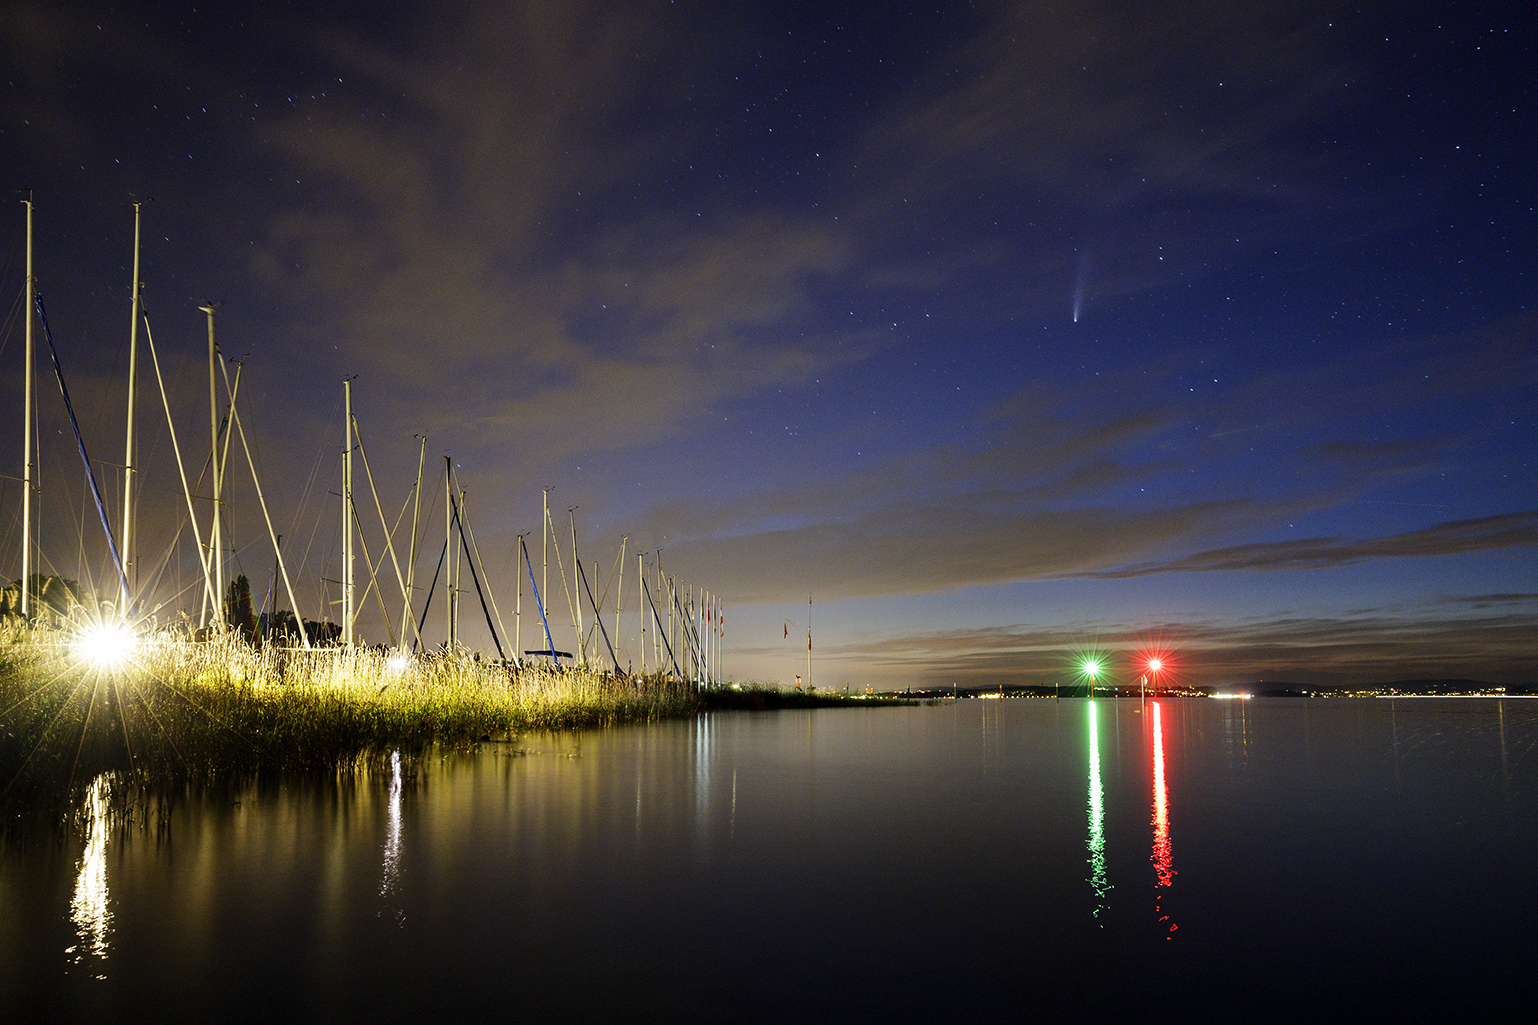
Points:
[787,631]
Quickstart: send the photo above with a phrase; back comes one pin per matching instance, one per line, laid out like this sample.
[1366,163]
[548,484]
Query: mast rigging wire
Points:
[101,510]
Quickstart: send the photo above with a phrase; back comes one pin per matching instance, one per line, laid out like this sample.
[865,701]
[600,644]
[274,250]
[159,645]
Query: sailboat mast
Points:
[450,551]
[575,567]
[640,574]
[411,565]
[809,643]
[619,594]
[347,517]
[26,435]
[130,564]
[544,551]
[215,535]
[518,608]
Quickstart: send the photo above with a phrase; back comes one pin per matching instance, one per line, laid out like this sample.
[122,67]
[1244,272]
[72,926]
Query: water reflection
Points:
[1236,731]
[392,848]
[1097,879]
[1163,852]
[704,729]
[528,880]
[1500,709]
[89,910]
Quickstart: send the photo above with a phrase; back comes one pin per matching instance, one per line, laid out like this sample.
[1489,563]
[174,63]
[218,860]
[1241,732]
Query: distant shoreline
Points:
[1396,689]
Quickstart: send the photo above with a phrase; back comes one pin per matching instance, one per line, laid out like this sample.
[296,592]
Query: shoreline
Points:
[178,710]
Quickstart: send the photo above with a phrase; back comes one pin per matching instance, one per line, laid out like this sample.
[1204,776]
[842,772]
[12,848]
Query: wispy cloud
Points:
[1055,486]
[1184,95]
[494,261]
[1511,530]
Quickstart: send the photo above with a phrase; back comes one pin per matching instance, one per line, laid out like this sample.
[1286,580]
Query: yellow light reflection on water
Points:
[1097,876]
[89,910]
[392,848]
[1163,853]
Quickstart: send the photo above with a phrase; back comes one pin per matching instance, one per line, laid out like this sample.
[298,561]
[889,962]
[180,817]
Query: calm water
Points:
[1287,859]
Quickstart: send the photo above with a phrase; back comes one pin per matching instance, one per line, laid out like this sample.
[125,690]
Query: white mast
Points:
[544,556]
[518,604]
[215,538]
[462,494]
[576,588]
[620,593]
[26,434]
[640,572]
[347,518]
[448,546]
[411,565]
[181,467]
[129,564]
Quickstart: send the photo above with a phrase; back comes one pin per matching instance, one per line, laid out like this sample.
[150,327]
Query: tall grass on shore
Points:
[178,709]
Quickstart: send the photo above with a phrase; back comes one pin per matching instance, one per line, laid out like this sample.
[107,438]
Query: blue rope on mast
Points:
[90,475]
[549,642]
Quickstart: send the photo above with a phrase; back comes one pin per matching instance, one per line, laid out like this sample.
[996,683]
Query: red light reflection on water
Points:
[1163,854]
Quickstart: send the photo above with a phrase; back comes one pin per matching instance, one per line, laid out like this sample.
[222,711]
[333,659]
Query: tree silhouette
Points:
[238,614]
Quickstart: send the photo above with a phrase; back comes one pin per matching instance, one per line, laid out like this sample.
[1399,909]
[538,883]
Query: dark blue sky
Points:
[1003,330]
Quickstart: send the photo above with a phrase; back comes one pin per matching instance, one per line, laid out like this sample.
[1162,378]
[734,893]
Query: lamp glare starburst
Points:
[107,645]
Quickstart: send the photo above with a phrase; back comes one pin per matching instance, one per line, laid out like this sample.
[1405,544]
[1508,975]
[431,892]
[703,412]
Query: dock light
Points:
[106,645]
[1091,669]
[1155,661]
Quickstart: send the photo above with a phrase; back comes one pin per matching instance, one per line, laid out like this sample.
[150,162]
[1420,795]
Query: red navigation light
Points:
[1155,660]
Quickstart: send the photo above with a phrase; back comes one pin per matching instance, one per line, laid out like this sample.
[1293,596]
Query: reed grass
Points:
[183,710]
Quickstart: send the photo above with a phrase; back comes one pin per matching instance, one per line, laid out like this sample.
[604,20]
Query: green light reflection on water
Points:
[1097,877]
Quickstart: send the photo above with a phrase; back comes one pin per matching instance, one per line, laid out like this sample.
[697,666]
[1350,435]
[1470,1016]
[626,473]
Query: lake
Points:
[1268,859]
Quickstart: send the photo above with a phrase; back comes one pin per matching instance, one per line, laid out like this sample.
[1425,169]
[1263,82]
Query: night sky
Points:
[1003,330]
